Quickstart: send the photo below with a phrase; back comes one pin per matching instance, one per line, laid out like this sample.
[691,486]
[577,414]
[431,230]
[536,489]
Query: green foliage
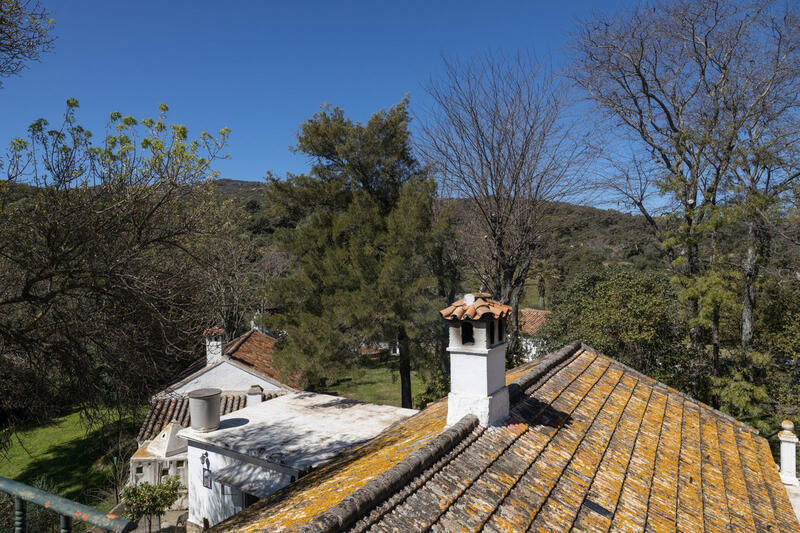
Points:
[104,276]
[630,315]
[361,232]
[149,500]
[76,456]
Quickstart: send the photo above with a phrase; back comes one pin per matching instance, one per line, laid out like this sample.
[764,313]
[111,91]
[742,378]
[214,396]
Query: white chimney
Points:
[204,409]
[213,337]
[788,453]
[254,395]
[477,359]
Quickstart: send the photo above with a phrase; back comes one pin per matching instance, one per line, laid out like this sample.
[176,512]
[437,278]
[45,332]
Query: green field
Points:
[71,458]
[374,383]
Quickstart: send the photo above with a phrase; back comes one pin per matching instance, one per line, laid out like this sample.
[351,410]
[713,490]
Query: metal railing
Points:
[67,509]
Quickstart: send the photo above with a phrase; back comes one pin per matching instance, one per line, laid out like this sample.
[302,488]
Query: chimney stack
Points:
[213,337]
[788,453]
[204,409]
[254,395]
[477,359]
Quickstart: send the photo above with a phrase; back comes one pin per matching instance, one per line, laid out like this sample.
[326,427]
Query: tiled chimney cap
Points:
[214,331]
[476,306]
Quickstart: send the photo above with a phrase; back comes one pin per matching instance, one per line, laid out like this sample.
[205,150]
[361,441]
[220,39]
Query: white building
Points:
[233,366]
[259,449]
[241,368]
[164,455]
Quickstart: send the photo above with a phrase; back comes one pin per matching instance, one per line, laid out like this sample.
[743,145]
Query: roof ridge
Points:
[399,498]
[237,342]
[673,390]
[364,499]
[517,388]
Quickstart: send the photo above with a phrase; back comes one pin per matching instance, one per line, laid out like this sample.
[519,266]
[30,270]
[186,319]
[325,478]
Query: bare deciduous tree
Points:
[25,28]
[498,136]
[697,89]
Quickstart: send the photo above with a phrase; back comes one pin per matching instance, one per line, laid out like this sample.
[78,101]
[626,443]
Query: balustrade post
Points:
[20,516]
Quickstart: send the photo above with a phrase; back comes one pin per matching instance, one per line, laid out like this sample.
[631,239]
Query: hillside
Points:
[579,237]
[239,189]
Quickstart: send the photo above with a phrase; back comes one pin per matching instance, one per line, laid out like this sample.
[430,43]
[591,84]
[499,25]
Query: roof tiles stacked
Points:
[532,320]
[482,307]
[590,445]
[254,349]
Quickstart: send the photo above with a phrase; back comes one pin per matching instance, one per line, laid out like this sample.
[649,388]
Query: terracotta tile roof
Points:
[254,349]
[532,320]
[591,444]
[165,410]
[214,331]
[483,306]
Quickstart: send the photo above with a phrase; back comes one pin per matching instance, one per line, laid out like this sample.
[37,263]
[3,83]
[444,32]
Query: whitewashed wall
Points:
[227,377]
[151,473]
[220,501]
[214,504]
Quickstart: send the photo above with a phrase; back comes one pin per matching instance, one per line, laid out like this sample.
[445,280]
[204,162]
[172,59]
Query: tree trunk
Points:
[405,369]
[749,292]
[513,330]
[542,289]
[715,340]
[693,306]
[444,355]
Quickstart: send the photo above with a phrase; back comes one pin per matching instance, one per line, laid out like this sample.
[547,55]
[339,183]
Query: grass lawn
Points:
[374,382]
[70,457]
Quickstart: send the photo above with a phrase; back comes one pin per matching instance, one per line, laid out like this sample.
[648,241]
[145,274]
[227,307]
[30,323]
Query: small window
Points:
[164,472]
[467,335]
[139,470]
[179,464]
[490,333]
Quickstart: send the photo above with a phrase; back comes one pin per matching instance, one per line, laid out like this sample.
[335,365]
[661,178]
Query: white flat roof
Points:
[299,430]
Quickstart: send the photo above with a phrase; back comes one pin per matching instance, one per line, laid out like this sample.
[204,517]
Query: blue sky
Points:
[262,68]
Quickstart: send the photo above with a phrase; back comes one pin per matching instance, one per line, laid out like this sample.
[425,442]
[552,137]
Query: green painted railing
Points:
[68,509]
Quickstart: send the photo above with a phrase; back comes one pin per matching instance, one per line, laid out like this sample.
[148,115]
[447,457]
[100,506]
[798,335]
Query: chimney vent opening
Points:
[467,333]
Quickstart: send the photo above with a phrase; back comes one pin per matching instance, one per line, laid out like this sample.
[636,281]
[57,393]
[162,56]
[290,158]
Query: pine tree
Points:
[361,230]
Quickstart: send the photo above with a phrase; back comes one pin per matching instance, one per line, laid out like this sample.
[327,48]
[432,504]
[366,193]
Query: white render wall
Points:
[228,377]
[214,504]
[477,373]
[220,501]
[213,350]
[477,376]
[151,473]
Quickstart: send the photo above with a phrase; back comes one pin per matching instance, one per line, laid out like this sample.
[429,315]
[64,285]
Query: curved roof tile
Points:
[482,307]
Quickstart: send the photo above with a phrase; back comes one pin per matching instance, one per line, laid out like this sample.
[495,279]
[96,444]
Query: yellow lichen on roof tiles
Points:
[592,445]
[324,488]
[735,485]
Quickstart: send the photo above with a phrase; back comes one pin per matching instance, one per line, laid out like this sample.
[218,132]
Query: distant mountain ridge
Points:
[581,236]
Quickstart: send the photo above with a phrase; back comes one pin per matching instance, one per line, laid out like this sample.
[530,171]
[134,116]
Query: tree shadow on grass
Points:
[73,467]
